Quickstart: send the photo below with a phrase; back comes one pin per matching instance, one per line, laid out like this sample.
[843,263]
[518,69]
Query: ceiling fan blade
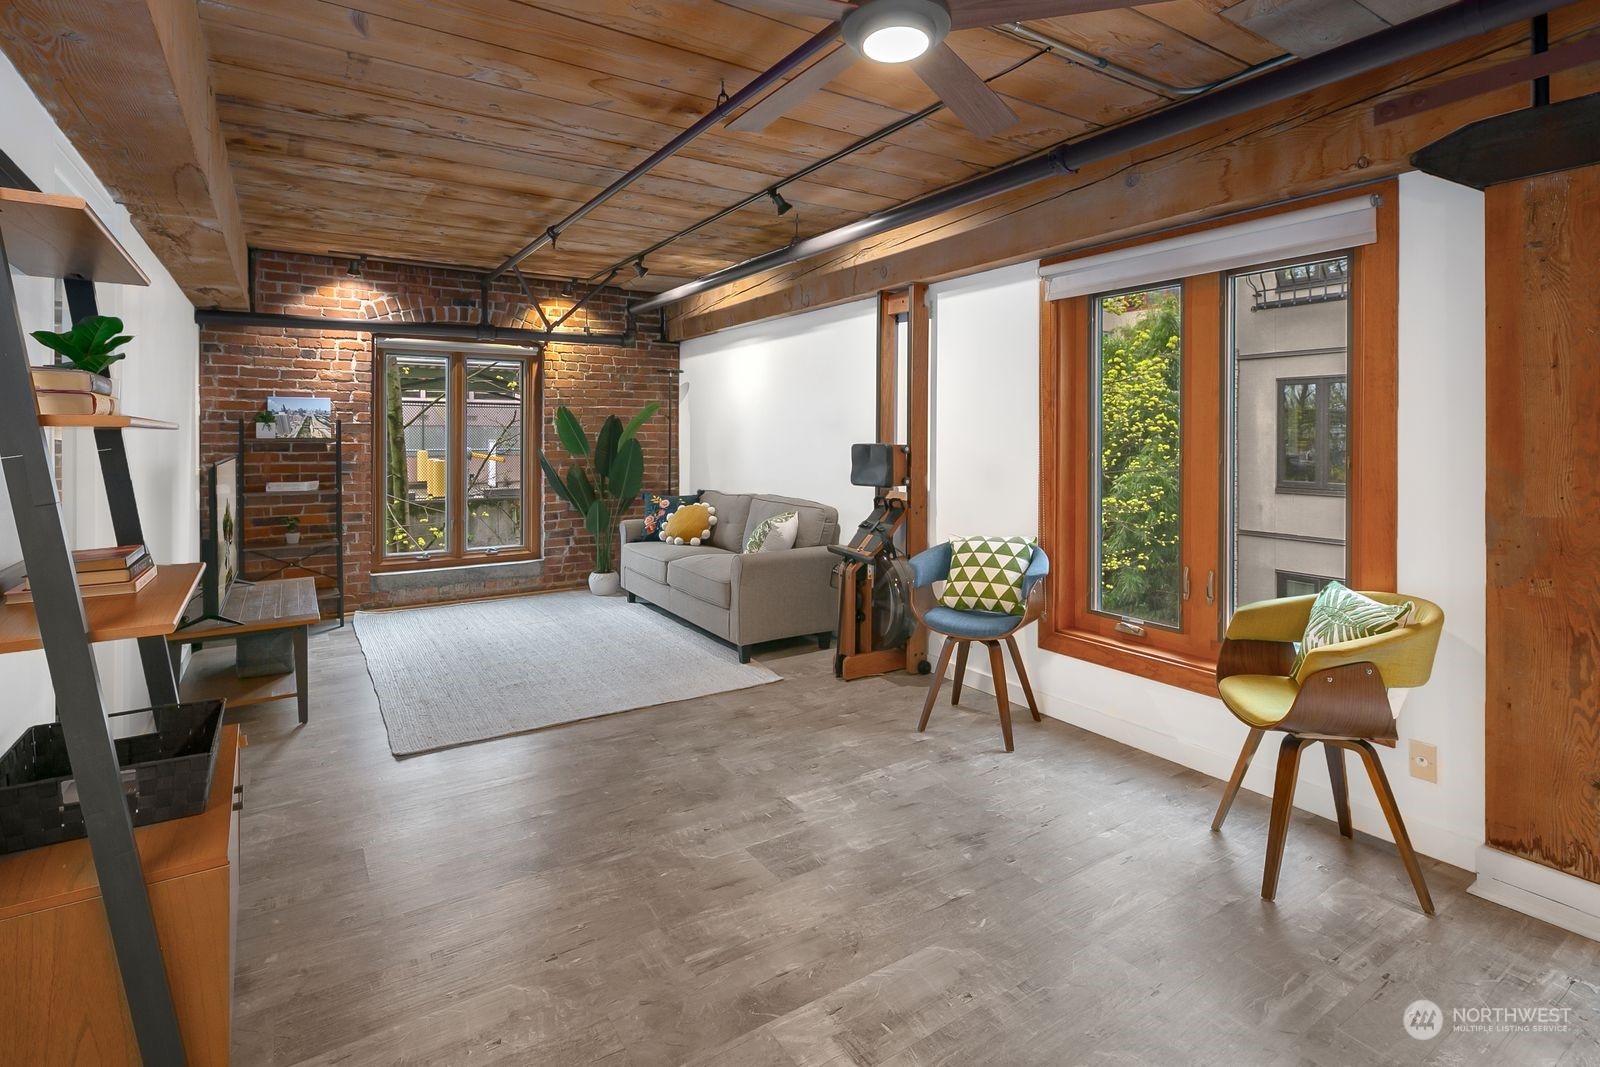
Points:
[786,96]
[978,107]
[969,14]
[818,9]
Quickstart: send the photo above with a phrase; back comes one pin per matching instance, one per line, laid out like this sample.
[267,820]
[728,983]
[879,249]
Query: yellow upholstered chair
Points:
[1339,696]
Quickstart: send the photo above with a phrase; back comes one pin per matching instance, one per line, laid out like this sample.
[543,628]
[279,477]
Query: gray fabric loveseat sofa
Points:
[743,599]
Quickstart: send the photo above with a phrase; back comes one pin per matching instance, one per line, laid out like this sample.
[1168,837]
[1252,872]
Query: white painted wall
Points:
[159,379]
[774,407]
[985,476]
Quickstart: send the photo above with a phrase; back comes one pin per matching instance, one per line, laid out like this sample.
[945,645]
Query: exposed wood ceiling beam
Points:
[1315,142]
[130,85]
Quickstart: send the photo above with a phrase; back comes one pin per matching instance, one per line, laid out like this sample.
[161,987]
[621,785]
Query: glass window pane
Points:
[1338,433]
[1297,418]
[493,474]
[1288,419]
[1137,459]
[416,454]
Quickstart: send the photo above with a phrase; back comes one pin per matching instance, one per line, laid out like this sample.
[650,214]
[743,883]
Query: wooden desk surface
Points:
[261,606]
[60,874]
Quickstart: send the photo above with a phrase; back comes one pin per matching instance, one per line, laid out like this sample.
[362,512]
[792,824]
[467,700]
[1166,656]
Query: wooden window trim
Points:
[533,475]
[1372,496]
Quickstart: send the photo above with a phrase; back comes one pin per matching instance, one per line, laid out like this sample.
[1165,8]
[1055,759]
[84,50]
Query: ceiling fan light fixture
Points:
[896,31]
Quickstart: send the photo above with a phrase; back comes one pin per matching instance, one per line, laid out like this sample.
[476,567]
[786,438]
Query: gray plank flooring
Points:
[791,876]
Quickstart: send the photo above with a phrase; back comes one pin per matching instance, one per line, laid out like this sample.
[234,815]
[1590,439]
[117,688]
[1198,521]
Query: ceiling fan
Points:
[911,31]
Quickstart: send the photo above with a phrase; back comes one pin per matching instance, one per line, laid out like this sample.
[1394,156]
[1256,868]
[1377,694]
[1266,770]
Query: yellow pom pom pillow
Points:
[690,524]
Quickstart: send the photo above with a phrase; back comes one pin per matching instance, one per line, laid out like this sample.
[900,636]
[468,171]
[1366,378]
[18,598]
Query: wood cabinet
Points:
[61,999]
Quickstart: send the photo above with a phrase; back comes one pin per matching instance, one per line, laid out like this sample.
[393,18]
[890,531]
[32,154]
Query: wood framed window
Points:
[1172,488]
[457,464]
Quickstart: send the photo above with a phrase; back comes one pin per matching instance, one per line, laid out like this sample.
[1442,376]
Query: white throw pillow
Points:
[774,534]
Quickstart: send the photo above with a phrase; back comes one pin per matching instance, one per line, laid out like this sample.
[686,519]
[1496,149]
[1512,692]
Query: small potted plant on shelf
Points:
[90,346]
[266,425]
[291,531]
[605,487]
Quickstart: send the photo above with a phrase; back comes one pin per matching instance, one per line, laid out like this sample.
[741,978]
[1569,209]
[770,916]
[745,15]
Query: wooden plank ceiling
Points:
[454,132]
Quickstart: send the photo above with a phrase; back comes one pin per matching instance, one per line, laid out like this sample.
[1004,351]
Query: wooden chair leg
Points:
[1022,676]
[1341,788]
[1282,805]
[961,672]
[997,666]
[1391,811]
[1252,742]
[937,681]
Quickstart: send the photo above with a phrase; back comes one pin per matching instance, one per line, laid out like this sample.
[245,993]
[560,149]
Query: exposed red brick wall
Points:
[241,366]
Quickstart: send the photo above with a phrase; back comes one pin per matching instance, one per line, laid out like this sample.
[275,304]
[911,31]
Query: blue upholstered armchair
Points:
[961,628]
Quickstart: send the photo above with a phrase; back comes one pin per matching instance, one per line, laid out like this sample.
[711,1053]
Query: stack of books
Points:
[101,572]
[68,391]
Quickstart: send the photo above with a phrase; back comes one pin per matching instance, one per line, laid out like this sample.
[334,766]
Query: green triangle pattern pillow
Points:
[1339,614]
[986,574]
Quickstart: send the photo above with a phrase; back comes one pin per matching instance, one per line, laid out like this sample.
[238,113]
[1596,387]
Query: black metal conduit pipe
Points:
[431,331]
[1449,25]
[1048,46]
[760,84]
[804,172]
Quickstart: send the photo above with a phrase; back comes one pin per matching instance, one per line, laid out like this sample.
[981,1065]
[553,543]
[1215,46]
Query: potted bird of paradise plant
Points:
[603,485]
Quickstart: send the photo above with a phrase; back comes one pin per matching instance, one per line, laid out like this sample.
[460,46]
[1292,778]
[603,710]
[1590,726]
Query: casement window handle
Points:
[1186,583]
[1211,587]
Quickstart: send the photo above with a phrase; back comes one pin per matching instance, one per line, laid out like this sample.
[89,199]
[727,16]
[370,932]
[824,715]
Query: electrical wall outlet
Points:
[1424,761]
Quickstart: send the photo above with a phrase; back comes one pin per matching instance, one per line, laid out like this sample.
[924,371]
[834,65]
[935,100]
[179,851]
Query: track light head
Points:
[571,288]
[783,206]
[639,268]
[354,270]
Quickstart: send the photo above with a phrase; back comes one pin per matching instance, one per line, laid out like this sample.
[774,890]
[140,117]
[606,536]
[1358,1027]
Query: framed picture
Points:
[302,416]
[222,559]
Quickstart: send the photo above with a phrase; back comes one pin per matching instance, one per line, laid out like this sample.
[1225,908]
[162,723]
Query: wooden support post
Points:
[917,440]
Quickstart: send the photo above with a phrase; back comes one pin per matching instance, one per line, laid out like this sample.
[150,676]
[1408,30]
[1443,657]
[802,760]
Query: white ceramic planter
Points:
[265,431]
[608,584]
[292,537]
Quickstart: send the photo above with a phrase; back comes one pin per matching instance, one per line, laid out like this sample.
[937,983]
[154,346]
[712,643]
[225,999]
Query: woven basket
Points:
[166,774]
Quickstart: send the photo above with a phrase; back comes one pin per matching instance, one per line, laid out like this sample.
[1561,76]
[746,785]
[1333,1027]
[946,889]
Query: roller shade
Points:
[1324,228]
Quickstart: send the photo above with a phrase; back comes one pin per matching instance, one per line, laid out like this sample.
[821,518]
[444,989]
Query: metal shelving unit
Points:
[53,236]
[325,550]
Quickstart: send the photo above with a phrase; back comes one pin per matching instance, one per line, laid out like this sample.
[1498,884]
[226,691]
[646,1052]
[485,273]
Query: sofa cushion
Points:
[708,578]
[819,524]
[775,534]
[733,513]
[650,558]
[658,508]
[690,524]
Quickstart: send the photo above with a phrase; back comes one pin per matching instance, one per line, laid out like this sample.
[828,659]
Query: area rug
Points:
[456,674]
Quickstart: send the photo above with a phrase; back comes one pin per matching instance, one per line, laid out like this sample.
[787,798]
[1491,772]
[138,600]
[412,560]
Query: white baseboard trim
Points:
[1533,889]
[1427,838]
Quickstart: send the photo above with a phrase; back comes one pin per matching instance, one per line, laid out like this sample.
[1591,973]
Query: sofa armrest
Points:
[628,531]
[783,594]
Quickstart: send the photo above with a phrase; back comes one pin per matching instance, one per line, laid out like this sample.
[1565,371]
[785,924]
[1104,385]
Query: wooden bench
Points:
[251,609]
